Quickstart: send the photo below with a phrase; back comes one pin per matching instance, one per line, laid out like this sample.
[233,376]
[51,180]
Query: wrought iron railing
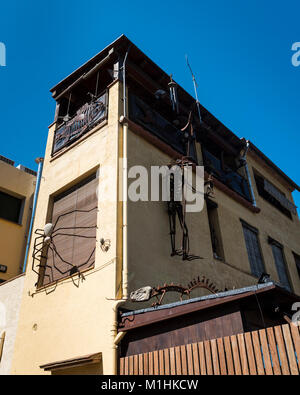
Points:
[86,118]
[230,177]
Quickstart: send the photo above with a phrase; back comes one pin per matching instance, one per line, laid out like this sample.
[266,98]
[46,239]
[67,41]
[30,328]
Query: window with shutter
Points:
[74,217]
[253,249]
[280,263]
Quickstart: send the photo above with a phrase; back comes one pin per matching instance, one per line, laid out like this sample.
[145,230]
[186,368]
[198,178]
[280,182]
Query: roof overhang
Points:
[271,164]
[269,293]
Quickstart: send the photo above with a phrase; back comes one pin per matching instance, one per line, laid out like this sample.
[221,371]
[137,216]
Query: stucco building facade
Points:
[101,247]
[17,185]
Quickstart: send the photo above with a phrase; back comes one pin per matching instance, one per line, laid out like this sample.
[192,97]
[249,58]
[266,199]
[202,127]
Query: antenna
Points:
[195,87]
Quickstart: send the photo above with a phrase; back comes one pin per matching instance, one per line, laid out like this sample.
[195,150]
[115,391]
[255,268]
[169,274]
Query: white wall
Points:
[10,301]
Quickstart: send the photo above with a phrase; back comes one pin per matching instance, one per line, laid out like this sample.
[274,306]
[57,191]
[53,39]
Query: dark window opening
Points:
[297,261]
[215,232]
[10,207]
[260,184]
[280,263]
[253,250]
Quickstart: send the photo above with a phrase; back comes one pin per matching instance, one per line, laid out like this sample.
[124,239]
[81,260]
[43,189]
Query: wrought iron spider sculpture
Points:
[45,242]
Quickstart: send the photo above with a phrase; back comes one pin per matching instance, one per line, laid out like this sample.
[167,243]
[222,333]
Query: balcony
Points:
[226,175]
[86,118]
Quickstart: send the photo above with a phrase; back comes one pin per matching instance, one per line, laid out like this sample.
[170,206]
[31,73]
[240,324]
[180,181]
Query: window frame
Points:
[22,200]
[258,178]
[212,208]
[274,242]
[82,181]
[256,231]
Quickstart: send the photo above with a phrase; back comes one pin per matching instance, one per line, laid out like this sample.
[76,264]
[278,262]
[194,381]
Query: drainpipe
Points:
[244,159]
[123,120]
[118,337]
[40,162]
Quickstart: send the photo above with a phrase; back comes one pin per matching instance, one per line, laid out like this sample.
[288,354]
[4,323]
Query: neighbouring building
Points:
[17,186]
[91,249]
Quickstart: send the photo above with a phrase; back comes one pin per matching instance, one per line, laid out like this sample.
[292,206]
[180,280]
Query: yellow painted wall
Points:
[69,321]
[13,236]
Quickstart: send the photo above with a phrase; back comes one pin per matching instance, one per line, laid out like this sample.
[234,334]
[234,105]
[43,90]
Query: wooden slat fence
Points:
[271,351]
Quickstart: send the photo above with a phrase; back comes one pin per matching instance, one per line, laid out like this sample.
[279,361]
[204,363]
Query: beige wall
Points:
[149,241]
[10,302]
[13,236]
[69,321]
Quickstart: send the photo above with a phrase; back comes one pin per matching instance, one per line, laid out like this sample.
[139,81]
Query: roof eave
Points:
[273,166]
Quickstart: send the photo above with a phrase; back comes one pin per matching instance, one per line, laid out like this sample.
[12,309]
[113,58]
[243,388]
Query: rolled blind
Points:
[74,217]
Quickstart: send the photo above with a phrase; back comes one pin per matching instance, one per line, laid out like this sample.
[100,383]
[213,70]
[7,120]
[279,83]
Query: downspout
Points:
[40,162]
[244,159]
[123,120]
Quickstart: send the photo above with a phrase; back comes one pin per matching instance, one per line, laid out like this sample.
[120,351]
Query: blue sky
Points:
[240,52]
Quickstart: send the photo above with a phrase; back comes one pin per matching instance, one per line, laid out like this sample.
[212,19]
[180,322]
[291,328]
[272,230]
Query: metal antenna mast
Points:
[195,88]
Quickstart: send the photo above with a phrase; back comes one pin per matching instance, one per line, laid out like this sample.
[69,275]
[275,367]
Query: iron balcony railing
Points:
[86,118]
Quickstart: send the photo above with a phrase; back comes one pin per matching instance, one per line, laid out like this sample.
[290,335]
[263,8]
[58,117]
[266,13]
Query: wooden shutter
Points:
[74,218]
[280,264]
[253,250]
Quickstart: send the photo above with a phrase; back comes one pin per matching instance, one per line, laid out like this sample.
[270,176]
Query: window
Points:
[274,196]
[278,255]
[10,207]
[297,261]
[215,232]
[253,249]
[73,244]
